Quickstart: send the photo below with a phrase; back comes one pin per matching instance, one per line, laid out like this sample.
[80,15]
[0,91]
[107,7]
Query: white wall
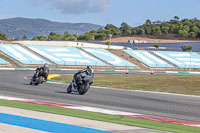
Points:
[68,44]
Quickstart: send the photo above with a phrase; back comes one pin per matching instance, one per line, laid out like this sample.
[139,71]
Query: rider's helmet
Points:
[89,70]
[45,65]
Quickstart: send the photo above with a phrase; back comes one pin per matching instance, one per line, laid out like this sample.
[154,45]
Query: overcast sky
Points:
[102,12]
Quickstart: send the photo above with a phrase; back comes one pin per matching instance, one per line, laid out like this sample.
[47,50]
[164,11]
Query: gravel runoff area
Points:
[116,128]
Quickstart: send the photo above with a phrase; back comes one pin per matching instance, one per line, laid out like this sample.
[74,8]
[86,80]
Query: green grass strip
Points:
[133,71]
[184,72]
[22,69]
[103,117]
[159,71]
[54,69]
[110,70]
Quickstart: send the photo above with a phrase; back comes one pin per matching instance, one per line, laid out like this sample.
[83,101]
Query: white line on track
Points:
[154,92]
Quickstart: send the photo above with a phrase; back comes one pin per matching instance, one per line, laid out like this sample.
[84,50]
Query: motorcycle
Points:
[81,83]
[38,78]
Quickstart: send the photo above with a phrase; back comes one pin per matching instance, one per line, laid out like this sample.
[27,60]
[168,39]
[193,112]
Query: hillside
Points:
[17,27]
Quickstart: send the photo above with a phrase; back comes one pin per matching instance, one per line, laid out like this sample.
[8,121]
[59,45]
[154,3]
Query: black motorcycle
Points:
[81,83]
[38,78]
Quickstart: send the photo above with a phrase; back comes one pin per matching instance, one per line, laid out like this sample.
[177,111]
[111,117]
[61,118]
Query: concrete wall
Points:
[68,44]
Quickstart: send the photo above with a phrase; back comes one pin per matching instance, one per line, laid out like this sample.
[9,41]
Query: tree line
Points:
[172,29]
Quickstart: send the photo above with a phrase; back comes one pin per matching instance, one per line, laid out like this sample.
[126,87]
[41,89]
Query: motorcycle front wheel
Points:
[39,80]
[84,88]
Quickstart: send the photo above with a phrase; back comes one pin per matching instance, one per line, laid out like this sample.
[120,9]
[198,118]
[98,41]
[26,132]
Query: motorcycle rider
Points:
[88,70]
[42,70]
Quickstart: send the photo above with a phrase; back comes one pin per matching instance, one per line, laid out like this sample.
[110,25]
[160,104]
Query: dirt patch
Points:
[148,40]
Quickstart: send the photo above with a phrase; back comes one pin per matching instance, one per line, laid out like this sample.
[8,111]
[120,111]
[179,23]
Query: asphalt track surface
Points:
[14,83]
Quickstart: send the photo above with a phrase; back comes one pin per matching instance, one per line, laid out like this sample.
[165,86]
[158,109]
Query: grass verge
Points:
[103,117]
[180,84]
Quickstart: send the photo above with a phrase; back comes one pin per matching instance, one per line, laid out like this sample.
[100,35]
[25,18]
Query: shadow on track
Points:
[25,84]
[64,92]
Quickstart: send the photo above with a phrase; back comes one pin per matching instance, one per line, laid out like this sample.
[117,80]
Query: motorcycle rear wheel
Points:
[69,88]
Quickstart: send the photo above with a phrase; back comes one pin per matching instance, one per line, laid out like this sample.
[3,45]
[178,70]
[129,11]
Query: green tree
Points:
[172,21]
[89,37]
[157,22]
[183,33]
[115,32]
[93,32]
[4,37]
[186,28]
[195,29]
[156,30]
[16,39]
[156,45]
[81,37]
[140,31]
[100,30]
[176,18]
[108,32]
[148,30]
[110,26]
[128,32]
[125,29]
[39,38]
[24,37]
[192,35]
[54,36]
[125,47]
[108,43]
[148,22]
[186,22]
[167,24]
[174,29]
[66,33]
[71,38]
[52,33]
[101,36]
[186,48]
[75,35]
[165,30]
[133,31]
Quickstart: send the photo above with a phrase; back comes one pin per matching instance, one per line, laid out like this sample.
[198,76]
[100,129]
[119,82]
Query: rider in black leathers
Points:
[88,70]
[44,70]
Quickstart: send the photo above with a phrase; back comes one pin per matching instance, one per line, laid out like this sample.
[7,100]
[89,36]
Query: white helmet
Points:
[89,69]
[45,65]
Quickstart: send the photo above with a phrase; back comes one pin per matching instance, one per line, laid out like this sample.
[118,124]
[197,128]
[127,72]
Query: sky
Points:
[101,12]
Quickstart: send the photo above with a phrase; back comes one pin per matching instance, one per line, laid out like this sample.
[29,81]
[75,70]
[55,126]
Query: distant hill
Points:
[17,27]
